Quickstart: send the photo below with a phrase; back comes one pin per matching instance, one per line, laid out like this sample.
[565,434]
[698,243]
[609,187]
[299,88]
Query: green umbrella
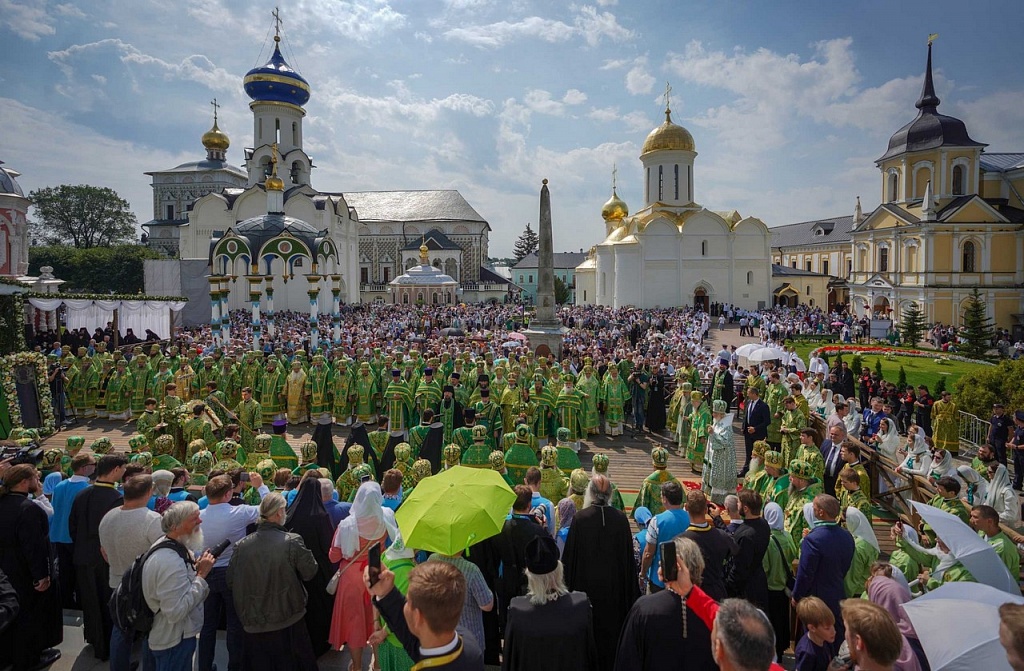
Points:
[454,509]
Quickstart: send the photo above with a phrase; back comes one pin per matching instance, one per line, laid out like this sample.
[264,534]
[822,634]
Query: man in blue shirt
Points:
[82,467]
[664,527]
[336,510]
[872,418]
[532,480]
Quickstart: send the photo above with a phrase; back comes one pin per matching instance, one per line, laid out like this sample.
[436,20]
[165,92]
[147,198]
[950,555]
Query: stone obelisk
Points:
[546,329]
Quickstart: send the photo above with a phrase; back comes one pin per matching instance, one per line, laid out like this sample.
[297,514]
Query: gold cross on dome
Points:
[668,94]
[615,174]
[277,21]
[215,107]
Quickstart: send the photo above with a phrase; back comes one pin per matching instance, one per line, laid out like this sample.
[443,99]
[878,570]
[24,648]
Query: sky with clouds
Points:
[789,102]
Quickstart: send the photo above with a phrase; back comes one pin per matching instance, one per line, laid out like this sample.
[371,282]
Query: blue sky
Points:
[789,103]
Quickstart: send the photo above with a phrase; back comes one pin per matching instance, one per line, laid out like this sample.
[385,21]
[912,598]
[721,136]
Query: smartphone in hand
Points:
[669,569]
[374,564]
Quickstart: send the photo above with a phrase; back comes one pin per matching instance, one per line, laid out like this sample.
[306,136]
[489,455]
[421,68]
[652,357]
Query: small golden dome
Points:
[274,183]
[668,136]
[216,139]
[615,209]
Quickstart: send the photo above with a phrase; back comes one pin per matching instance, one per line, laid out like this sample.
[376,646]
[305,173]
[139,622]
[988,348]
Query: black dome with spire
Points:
[930,129]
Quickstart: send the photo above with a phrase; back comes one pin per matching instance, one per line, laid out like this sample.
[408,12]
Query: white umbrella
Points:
[967,546]
[765,354]
[958,626]
[745,350]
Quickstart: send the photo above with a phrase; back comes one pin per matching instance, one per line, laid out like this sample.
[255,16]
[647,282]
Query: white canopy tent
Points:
[137,315]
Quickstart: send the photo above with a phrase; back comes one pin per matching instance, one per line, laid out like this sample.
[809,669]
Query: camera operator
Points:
[56,375]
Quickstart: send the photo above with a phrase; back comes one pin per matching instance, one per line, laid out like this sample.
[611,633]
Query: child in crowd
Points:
[816,648]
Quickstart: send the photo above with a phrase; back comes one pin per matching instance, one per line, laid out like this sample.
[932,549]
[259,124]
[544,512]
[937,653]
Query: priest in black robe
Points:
[357,435]
[656,412]
[599,561]
[387,458]
[325,452]
[432,446]
[552,628]
[26,561]
[487,558]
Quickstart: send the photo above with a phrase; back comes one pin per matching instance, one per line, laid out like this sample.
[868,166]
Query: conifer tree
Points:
[526,244]
[977,330]
[912,325]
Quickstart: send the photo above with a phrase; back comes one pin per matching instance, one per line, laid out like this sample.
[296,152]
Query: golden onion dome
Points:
[274,183]
[216,139]
[615,209]
[668,136]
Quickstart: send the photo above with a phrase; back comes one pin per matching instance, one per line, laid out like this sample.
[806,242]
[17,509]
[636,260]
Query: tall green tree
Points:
[526,244]
[98,270]
[81,216]
[912,325]
[563,292]
[977,331]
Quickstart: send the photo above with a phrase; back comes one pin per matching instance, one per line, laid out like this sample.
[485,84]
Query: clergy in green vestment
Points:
[280,451]
[197,427]
[985,520]
[568,460]
[142,377]
[757,478]
[366,395]
[600,467]
[700,428]
[803,487]
[807,451]
[590,386]
[569,408]
[272,399]
[775,467]
[650,489]
[521,455]
[318,388]
[398,401]
[850,495]
[793,421]
[249,416]
[428,392]
[463,436]
[478,454]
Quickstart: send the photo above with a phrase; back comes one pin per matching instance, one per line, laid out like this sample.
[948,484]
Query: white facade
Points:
[674,252]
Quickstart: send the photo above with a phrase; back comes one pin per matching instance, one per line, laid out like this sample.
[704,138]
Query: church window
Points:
[296,171]
[277,129]
[808,292]
[894,186]
[295,133]
[520,279]
[364,275]
[531,279]
[849,267]
[297,263]
[968,266]
[703,247]
[387,274]
[958,180]
[883,260]
[750,277]
[689,180]
[170,212]
[809,262]
[824,266]
[405,299]
[661,182]
[433,298]
[647,186]
[793,264]
[677,181]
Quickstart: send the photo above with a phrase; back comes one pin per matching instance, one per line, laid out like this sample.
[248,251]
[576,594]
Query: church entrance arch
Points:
[543,350]
[701,299]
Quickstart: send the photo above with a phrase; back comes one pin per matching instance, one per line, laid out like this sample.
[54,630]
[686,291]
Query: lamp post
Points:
[215,316]
[271,330]
[314,309]
[225,311]
[336,307]
[255,291]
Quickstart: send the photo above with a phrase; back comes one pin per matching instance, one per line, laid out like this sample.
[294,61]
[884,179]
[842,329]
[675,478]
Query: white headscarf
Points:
[774,516]
[944,466]
[1000,482]
[889,442]
[972,478]
[920,446]
[858,524]
[827,406]
[365,520]
[809,516]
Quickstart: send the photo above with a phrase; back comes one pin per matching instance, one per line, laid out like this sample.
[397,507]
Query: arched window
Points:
[703,247]
[677,181]
[894,186]
[883,260]
[808,291]
[295,133]
[958,180]
[647,185]
[661,182]
[968,257]
[750,277]
[405,299]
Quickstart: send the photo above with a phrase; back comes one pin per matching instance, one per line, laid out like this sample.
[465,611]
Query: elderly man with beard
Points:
[601,531]
[174,585]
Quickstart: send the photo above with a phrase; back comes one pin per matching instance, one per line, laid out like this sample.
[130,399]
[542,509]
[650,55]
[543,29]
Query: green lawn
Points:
[918,370]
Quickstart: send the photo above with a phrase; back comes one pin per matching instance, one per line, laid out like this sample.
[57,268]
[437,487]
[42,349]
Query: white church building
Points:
[673,251]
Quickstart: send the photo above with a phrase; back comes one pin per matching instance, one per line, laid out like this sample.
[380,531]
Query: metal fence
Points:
[973,432]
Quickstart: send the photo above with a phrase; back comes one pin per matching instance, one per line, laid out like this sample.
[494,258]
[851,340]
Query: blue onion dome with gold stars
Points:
[276,81]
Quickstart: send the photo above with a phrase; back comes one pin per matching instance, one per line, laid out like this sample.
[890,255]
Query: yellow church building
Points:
[951,220]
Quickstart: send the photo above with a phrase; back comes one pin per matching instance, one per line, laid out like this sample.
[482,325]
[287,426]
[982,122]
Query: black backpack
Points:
[128,607]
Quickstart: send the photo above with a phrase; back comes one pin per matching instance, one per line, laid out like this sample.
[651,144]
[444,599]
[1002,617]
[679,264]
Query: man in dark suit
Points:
[744,575]
[825,557]
[831,450]
[756,418]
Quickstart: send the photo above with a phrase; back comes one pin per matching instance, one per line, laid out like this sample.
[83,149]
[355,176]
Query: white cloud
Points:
[574,97]
[638,80]
[28,19]
[196,68]
[615,64]
[402,110]
[996,119]
[70,11]
[607,3]
[99,79]
[604,114]
[540,101]
[361,20]
[638,121]
[591,25]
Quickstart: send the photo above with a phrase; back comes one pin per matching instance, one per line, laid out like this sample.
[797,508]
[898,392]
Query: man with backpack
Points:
[126,533]
[174,586]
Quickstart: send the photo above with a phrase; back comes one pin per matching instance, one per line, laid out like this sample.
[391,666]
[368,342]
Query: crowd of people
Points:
[567,583]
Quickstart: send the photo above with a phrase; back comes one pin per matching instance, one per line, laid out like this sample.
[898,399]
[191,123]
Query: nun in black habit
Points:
[325,452]
[432,446]
[358,436]
[308,518]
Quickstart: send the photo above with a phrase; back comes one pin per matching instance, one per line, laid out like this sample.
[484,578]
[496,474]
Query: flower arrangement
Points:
[890,353]
[8,364]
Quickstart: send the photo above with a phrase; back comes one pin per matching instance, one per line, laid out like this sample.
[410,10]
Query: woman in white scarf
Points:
[1001,496]
[919,460]
[887,440]
[942,466]
[826,406]
[977,486]
[853,418]
[364,528]
[812,395]
[865,552]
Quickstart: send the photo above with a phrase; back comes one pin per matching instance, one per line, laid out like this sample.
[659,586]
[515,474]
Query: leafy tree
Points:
[977,331]
[82,216]
[526,244]
[912,325]
[98,270]
[976,391]
[940,386]
[563,292]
